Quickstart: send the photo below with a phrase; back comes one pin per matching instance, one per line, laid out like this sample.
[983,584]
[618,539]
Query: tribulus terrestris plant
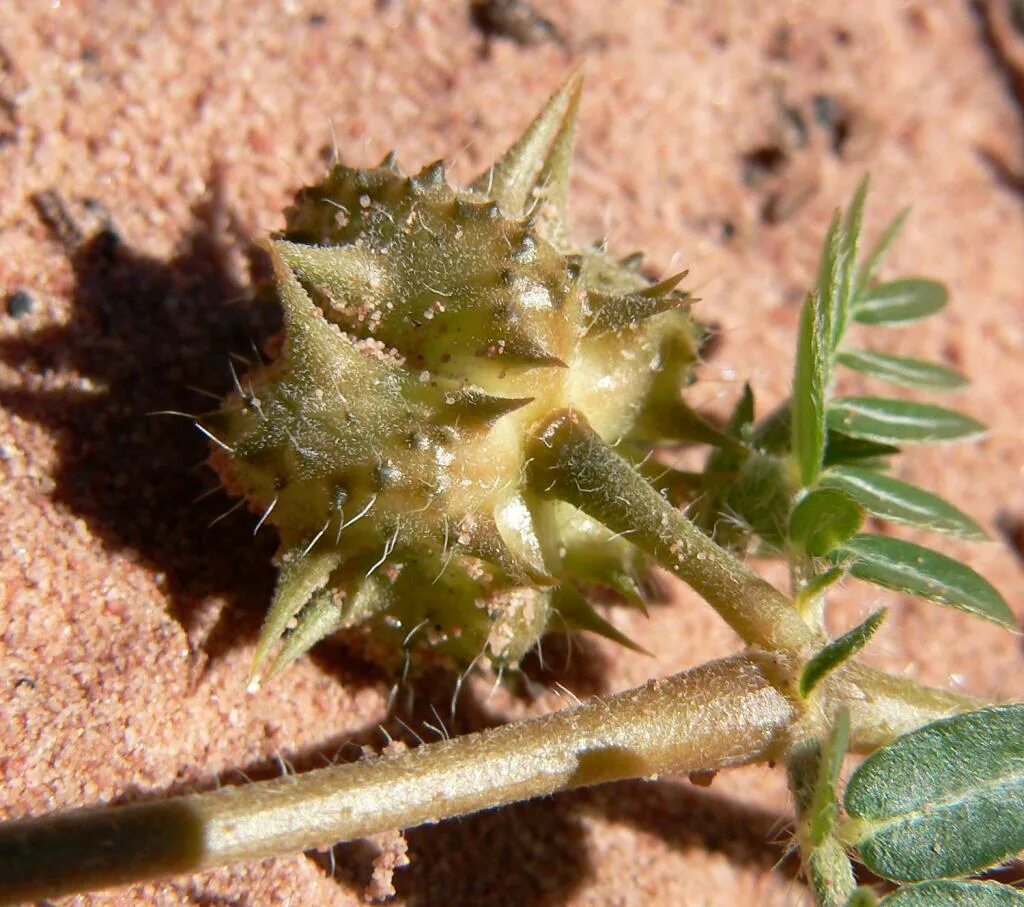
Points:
[456,441]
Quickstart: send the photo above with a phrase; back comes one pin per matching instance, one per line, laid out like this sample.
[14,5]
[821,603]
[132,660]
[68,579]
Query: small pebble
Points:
[20,303]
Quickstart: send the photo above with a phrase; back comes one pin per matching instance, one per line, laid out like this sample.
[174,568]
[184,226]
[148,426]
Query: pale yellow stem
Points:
[725,713]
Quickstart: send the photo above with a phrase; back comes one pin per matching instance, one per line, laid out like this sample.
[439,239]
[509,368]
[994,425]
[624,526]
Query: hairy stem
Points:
[724,713]
[570,462]
[826,865]
[883,707]
[830,874]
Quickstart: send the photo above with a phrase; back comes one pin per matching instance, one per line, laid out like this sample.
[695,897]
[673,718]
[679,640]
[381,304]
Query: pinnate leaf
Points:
[830,276]
[841,448]
[874,259]
[849,247]
[955,893]
[900,301]
[945,800]
[899,421]
[914,569]
[901,502]
[809,387]
[902,370]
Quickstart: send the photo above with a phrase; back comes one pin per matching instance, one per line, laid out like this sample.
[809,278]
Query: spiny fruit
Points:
[427,331]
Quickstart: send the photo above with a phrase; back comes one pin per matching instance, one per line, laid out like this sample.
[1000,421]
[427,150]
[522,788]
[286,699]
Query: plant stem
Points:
[830,874]
[883,707]
[569,461]
[826,865]
[724,713]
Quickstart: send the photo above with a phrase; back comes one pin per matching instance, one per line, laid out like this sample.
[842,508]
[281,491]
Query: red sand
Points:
[126,625]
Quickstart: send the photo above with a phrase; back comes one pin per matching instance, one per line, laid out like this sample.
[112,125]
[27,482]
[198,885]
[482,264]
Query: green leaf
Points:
[900,502]
[849,247]
[829,288]
[862,897]
[774,433]
[818,586]
[874,464]
[899,421]
[742,417]
[954,893]
[945,800]
[874,259]
[900,301]
[824,804]
[841,448]
[824,519]
[838,651]
[902,370]
[727,460]
[670,417]
[906,567]
[809,385]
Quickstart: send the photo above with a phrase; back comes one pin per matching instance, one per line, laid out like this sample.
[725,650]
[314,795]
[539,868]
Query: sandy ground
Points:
[719,136]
